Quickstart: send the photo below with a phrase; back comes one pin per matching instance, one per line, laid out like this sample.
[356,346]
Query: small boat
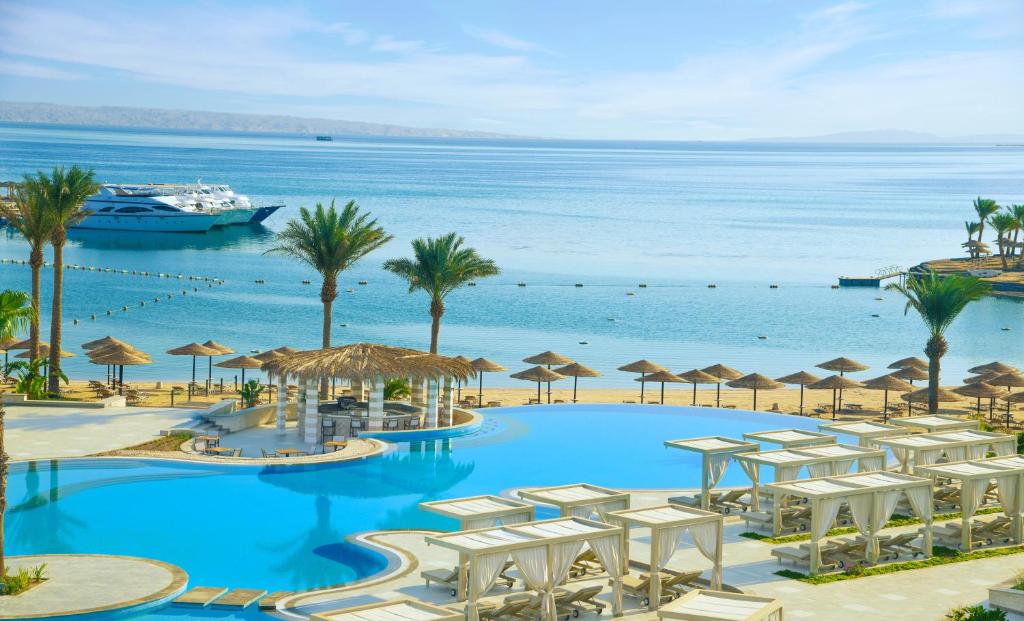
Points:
[324,138]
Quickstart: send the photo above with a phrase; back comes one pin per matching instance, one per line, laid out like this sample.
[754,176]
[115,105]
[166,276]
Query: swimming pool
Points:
[284,527]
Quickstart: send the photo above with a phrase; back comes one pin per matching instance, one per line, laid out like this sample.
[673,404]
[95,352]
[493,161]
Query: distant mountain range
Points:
[156,118]
[898,136]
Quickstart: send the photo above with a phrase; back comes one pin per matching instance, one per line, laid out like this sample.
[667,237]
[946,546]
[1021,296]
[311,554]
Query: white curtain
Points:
[1002,449]
[533,565]
[902,455]
[609,551]
[927,457]
[870,464]
[515,518]
[705,537]
[786,473]
[716,467]
[956,453]
[860,507]
[971,494]
[474,523]
[820,469]
[754,473]
[668,541]
[582,511]
[887,508]
[822,519]
[842,467]
[563,557]
[603,508]
[920,501]
[1007,489]
[977,451]
[485,572]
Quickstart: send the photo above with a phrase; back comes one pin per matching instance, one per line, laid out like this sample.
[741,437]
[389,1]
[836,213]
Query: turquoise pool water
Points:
[285,527]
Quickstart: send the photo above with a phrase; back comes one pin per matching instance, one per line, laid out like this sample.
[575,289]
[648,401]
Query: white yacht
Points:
[170,208]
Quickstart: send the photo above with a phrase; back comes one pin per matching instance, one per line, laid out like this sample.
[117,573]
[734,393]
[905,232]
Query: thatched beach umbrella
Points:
[843,366]
[696,376]
[287,351]
[481,366]
[835,383]
[120,357]
[802,378]
[458,381]
[981,390]
[223,349]
[1010,381]
[904,363]
[886,383]
[997,367]
[576,371]
[660,376]
[548,358]
[723,373]
[103,342]
[7,345]
[44,352]
[643,367]
[193,349]
[241,362]
[981,377]
[107,346]
[1015,397]
[945,395]
[911,373]
[755,382]
[540,375]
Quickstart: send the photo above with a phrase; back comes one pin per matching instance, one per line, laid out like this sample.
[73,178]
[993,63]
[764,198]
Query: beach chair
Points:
[445,577]
[583,599]
[676,584]
[893,547]
[802,555]
[845,553]
[563,606]
[636,586]
[509,609]
[586,563]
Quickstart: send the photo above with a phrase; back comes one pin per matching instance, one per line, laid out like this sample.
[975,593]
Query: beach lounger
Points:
[563,606]
[672,585]
[893,547]
[446,577]
[586,563]
[584,599]
[802,555]
[680,583]
[509,609]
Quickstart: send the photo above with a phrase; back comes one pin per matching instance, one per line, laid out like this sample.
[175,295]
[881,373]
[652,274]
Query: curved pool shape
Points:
[285,527]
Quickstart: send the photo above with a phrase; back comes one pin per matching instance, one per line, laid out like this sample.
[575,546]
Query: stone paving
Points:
[46,432]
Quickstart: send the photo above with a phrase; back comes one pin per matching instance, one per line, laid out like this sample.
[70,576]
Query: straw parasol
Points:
[288,351]
[911,373]
[120,357]
[944,396]
[481,366]
[269,355]
[980,390]
[904,363]
[696,376]
[802,379]
[843,366]
[44,352]
[360,361]
[755,381]
[660,376]
[1010,380]
[223,349]
[981,377]
[998,367]
[1014,397]
[458,380]
[835,383]
[643,367]
[241,362]
[25,344]
[548,358]
[886,383]
[540,375]
[107,346]
[193,349]
[723,373]
[576,371]
[7,345]
[103,342]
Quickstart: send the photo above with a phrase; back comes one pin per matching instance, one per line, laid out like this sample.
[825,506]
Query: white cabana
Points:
[820,461]
[865,431]
[932,424]
[543,551]
[579,499]
[715,452]
[703,605]
[872,498]
[668,524]
[790,438]
[399,609]
[974,477]
[926,449]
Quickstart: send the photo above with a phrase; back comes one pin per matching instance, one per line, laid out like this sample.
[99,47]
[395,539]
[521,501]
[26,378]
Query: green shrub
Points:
[12,585]
[975,613]
[251,391]
[39,573]
[396,388]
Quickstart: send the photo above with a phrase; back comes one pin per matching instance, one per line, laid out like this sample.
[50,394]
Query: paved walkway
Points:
[83,583]
[46,432]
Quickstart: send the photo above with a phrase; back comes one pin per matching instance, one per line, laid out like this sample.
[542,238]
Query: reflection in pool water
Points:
[284,528]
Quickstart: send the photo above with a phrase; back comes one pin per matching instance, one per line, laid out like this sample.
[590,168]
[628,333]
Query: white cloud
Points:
[502,40]
[33,70]
[387,43]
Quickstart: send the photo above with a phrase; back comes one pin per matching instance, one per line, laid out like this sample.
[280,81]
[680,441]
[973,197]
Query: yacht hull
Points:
[185,223]
[262,213]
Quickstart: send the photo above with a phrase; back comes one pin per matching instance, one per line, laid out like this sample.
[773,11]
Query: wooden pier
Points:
[893,271]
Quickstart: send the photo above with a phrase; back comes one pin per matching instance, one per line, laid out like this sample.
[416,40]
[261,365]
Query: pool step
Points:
[200,596]
[239,599]
[269,601]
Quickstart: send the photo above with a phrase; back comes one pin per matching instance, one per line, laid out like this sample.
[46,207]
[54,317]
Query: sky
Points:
[670,69]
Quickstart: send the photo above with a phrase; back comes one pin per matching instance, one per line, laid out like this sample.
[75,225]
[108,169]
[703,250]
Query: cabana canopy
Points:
[475,512]
[872,498]
[364,361]
[820,461]
[703,605]
[974,477]
[400,609]
[668,523]
[790,438]
[715,451]
[543,551]
[579,499]
[866,432]
[927,448]
[932,424]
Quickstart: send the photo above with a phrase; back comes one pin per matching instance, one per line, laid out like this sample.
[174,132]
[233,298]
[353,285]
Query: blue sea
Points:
[607,215]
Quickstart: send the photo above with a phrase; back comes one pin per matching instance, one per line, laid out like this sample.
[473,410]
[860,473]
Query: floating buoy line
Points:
[120,271]
[142,303]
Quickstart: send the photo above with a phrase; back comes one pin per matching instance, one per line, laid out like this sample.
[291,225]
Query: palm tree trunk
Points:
[328,293]
[436,310]
[935,349]
[56,315]
[36,261]
[1002,251]
[3,492]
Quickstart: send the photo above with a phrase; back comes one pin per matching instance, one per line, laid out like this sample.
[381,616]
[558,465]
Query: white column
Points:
[357,389]
[282,400]
[312,419]
[448,401]
[376,406]
[416,391]
[432,402]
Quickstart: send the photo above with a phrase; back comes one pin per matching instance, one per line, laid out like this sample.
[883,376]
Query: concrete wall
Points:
[251,417]
[16,399]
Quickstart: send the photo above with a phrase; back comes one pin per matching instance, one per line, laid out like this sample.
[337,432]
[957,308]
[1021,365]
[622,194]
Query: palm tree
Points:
[440,266]
[984,207]
[16,311]
[939,300]
[972,228]
[27,214]
[64,194]
[330,242]
[1018,214]
[1003,223]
